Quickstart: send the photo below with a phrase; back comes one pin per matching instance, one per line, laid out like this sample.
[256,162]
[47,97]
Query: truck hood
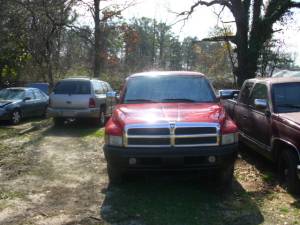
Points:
[169,112]
[293,118]
[4,103]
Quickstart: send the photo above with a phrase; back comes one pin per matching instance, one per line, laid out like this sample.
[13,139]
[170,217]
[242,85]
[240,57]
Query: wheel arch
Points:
[279,144]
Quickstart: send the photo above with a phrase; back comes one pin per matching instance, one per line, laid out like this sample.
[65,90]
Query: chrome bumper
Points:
[73,113]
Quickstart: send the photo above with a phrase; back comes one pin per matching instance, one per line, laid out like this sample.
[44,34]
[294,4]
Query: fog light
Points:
[212,159]
[132,161]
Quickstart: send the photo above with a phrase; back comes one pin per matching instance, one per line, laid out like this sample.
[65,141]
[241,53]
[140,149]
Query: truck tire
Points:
[225,176]
[114,174]
[288,162]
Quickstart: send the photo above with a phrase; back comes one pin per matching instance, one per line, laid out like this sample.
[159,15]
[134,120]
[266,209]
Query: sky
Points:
[202,21]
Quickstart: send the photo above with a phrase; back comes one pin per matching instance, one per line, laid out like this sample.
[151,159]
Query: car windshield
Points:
[11,94]
[286,97]
[168,89]
[78,87]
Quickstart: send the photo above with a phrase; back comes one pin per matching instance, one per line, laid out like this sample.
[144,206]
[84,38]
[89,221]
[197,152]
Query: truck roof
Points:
[276,80]
[167,73]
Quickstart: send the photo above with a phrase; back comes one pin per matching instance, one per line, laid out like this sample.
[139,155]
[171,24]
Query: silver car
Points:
[79,98]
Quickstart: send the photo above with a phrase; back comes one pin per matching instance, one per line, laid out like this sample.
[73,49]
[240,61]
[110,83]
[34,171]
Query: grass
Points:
[5,195]
[179,202]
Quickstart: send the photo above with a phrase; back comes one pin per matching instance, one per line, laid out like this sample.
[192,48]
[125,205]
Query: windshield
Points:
[286,97]
[73,87]
[168,89]
[11,94]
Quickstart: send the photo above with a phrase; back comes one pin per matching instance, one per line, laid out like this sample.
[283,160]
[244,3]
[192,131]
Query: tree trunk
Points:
[97,33]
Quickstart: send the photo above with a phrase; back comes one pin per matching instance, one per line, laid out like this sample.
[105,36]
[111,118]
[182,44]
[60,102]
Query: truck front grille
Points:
[172,135]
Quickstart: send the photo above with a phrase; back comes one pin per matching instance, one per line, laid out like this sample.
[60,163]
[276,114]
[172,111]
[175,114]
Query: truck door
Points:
[242,109]
[260,121]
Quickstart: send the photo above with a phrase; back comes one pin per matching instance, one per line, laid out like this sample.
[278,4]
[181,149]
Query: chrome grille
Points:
[172,135]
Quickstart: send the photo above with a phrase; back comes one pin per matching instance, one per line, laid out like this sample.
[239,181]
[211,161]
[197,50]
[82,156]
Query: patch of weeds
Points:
[7,133]
[98,133]
[284,210]
[268,177]
[7,195]
[177,203]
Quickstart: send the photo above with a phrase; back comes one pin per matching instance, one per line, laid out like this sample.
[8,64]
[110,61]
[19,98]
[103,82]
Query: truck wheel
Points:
[225,175]
[58,121]
[288,162]
[114,175]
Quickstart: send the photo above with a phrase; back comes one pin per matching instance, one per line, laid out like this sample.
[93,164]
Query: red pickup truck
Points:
[169,121]
[267,113]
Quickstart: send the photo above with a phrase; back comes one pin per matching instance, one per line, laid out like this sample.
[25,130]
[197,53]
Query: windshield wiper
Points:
[289,106]
[140,100]
[177,100]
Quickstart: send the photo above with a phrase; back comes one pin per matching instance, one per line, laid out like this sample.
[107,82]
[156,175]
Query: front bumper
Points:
[73,113]
[4,115]
[151,159]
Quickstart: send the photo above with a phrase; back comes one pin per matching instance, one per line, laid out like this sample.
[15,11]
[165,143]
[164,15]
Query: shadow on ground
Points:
[75,128]
[178,199]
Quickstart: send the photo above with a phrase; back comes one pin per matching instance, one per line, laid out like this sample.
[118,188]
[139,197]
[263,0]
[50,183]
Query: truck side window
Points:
[245,93]
[260,91]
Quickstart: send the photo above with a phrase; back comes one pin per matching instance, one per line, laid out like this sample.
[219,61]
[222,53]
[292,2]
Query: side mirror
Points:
[260,104]
[111,94]
[26,99]
[225,94]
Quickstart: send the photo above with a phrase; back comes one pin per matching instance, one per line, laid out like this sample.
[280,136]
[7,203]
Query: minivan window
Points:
[168,89]
[73,87]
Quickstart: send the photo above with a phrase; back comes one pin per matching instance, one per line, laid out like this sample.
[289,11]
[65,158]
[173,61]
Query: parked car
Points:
[170,121]
[42,86]
[267,114]
[79,98]
[19,103]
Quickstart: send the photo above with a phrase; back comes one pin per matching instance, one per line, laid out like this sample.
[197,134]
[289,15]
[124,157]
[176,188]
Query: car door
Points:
[99,92]
[40,103]
[260,121]
[242,109]
[29,104]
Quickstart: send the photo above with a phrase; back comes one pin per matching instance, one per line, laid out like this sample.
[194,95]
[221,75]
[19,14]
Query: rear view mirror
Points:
[260,104]
[225,94]
[26,99]
[111,94]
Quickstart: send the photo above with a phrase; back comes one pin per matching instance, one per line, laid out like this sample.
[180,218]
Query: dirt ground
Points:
[57,175]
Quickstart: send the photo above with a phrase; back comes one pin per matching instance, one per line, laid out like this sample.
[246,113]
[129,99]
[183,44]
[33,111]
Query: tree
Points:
[101,15]
[254,20]
[45,21]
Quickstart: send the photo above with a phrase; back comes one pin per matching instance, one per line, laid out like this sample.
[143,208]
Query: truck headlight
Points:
[114,140]
[228,139]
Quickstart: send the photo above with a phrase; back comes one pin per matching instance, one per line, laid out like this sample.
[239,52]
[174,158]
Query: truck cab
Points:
[267,113]
[170,121]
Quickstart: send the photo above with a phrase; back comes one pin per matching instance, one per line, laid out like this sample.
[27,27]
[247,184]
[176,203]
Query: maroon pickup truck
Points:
[267,113]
